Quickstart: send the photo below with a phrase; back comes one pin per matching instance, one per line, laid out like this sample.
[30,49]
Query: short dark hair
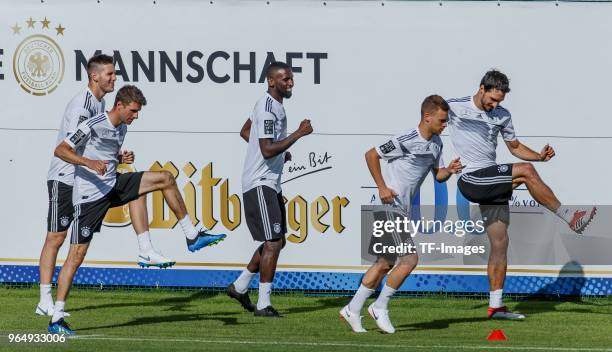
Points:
[433,103]
[97,61]
[130,94]
[276,66]
[494,79]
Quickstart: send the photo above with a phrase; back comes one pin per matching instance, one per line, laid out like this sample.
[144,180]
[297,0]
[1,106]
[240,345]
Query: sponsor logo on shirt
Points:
[387,147]
[269,126]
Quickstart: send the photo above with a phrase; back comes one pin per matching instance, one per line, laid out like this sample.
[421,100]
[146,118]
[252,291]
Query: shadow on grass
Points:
[532,307]
[184,303]
[439,324]
[321,304]
[177,303]
[550,296]
[171,319]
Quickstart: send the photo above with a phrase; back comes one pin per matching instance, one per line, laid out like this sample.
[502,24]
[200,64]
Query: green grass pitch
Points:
[164,320]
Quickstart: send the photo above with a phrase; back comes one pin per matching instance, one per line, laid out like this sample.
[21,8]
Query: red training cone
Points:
[497,335]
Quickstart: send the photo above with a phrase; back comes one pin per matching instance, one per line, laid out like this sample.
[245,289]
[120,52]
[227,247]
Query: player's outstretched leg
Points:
[148,256]
[496,269]
[238,289]
[164,181]
[576,218]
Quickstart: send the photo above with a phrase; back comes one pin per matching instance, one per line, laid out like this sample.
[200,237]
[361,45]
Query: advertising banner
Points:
[361,72]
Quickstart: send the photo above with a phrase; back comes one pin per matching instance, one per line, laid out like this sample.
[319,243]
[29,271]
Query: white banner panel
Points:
[361,72]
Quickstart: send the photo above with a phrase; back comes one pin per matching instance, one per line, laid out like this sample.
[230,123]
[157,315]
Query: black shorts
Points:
[491,188]
[265,215]
[88,217]
[61,211]
[401,240]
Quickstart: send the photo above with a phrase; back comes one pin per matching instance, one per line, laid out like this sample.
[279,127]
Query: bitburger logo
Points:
[38,62]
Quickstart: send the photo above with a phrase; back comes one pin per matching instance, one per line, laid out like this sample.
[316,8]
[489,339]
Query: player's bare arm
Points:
[523,152]
[270,149]
[245,131]
[65,152]
[444,173]
[385,193]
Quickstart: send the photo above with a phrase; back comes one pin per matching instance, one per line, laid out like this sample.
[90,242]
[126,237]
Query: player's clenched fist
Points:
[547,153]
[305,127]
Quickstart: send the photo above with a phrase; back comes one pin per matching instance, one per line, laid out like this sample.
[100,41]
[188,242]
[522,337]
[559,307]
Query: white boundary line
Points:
[340,344]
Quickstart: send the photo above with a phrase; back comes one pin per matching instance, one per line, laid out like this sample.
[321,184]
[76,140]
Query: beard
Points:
[107,88]
[484,106]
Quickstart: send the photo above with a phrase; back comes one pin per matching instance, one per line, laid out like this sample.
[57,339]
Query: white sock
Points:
[382,302]
[188,229]
[144,242]
[200,227]
[359,299]
[565,213]
[265,288]
[58,311]
[495,298]
[45,293]
[243,281]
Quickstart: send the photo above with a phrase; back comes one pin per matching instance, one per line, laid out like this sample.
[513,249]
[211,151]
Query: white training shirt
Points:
[267,121]
[410,158]
[474,132]
[96,139]
[80,108]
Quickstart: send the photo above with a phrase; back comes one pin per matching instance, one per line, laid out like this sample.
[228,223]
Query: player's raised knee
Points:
[166,179]
[526,170]
[530,172]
